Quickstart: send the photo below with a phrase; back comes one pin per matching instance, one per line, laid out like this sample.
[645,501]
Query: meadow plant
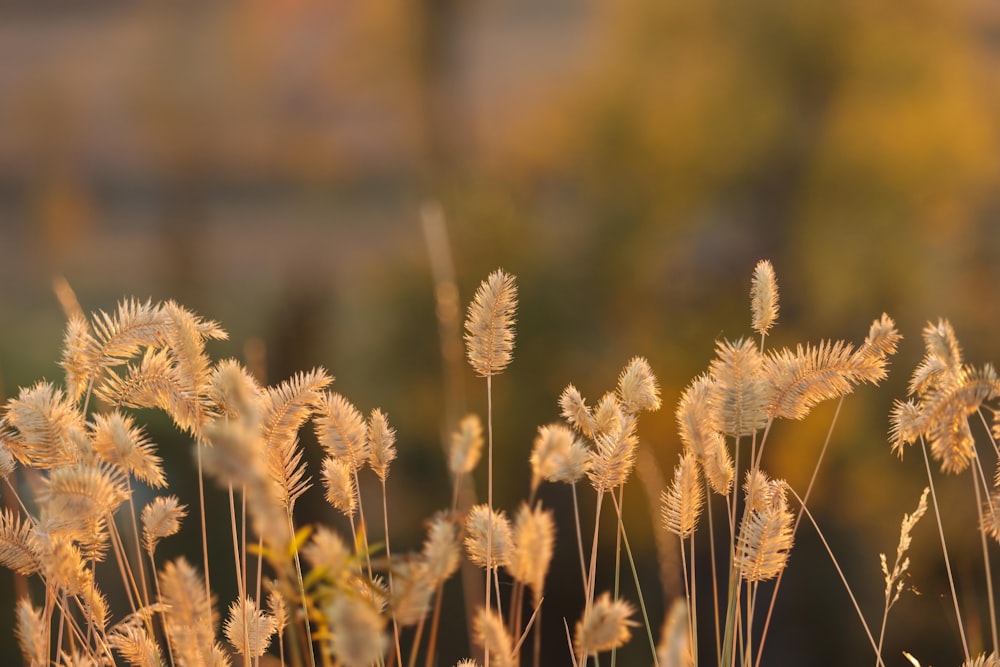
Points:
[308,595]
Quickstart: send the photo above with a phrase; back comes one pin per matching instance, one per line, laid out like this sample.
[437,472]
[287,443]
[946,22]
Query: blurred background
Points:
[266,164]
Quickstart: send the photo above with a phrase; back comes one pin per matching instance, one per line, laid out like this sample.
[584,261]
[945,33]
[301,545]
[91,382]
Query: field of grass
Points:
[91,506]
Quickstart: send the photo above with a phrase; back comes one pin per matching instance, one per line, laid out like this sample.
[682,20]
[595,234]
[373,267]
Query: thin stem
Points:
[537,653]
[795,527]
[159,596]
[415,646]
[489,498]
[388,555]
[693,616]
[527,628]
[715,574]
[944,548]
[204,522]
[569,640]
[635,576]
[976,471]
[128,577]
[593,554]
[240,587]
[840,572]
[435,622]
[619,502]
[982,536]
[305,600]
[138,545]
[579,540]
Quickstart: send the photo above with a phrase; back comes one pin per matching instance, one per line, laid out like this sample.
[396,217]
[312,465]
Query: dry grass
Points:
[318,598]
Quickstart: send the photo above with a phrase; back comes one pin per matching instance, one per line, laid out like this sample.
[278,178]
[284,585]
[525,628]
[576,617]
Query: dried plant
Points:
[337,600]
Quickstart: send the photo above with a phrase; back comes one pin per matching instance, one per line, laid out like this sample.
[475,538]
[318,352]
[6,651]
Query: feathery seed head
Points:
[189,617]
[236,455]
[758,489]
[681,503]
[905,425]
[991,516]
[983,660]
[491,634]
[466,445]
[278,609]
[608,416]
[952,444]
[605,625]
[883,338]
[441,548]
[248,628]
[694,415]
[78,356]
[161,518]
[47,423]
[763,297]
[356,631]
[674,648]
[382,443]
[637,387]
[341,430]
[765,535]
[338,478]
[7,462]
[575,411]
[19,548]
[77,495]
[31,631]
[119,441]
[326,550]
[534,543]
[120,336]
[468,662]
[739,398]
[489,325]
[718,465]
[612,461]
[135,645]
[412,589]
[234,391]
[288,405]
[478,525]
[942,344]
[894,579]
[549,451]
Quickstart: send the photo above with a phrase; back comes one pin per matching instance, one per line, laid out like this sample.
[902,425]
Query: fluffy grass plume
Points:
[606,625]
[763,297]
[489,325]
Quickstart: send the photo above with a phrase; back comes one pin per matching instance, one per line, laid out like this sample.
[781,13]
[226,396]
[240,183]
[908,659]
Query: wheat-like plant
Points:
[309,595]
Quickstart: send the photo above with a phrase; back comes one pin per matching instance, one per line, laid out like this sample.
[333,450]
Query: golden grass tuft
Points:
[489,324]
[607,624]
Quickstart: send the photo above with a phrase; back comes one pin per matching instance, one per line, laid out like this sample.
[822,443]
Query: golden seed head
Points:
[161,518]
[763,297]
[381,442]
[356,631]
[681,503]
[338,478]
[489,325]
[248,628]
[534,543]
[637,387]
[466,445]
[605,625]
[491,634]
[478,525]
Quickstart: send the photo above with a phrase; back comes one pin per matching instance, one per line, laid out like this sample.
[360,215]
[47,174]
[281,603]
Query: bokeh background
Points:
[266,164]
